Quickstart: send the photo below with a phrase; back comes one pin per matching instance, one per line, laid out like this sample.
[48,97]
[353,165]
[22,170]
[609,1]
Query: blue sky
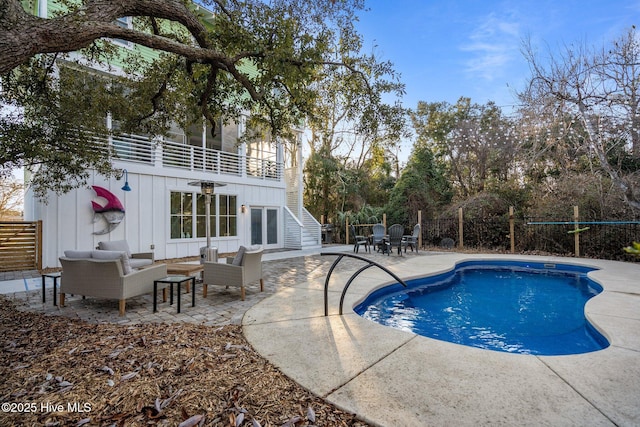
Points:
[445,49]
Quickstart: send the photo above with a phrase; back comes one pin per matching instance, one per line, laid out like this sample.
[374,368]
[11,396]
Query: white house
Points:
[260,202]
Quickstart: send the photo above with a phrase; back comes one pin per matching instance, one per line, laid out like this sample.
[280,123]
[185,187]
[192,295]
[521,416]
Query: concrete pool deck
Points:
[393,378]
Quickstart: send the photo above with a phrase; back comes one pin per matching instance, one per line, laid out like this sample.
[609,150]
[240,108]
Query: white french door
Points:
[264,227]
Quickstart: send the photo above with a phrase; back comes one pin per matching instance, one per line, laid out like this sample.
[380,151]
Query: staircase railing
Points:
[313,227]
[352,278]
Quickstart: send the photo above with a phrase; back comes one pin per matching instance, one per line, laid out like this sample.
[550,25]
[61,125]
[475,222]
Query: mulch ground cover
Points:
[56,371]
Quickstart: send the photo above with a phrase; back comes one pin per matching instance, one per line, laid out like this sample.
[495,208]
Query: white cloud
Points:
[492,46]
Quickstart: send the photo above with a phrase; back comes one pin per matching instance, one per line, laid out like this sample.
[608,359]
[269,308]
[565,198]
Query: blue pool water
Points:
[516,307]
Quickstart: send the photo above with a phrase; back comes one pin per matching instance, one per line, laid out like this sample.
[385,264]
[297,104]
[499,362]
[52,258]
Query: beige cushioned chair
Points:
[101,277]
[240,271]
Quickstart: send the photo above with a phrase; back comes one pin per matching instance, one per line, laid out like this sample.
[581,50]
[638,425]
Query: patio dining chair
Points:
[412,240]
[377,238]
[359,240]
[396,231]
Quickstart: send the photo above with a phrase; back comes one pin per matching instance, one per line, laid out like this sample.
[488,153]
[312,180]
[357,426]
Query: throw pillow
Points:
[237,260]
[77,254]
[115,245]
[100,254]
[126,264]
[122,256]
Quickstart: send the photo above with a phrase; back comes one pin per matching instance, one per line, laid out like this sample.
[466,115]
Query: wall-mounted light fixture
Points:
[126,187]
[243,209]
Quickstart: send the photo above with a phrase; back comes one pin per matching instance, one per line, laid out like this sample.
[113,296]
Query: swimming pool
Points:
[509,306]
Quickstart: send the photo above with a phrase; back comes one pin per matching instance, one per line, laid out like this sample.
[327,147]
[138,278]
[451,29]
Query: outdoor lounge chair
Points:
[240,271]
[412,240]
[377,237]
[106,274]
[136,260]
[396,231]
[359,240]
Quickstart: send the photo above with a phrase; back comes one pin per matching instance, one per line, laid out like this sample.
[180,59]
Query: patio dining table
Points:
[384,245]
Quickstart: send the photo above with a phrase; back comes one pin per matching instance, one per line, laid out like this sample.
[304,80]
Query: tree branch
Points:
[23,36]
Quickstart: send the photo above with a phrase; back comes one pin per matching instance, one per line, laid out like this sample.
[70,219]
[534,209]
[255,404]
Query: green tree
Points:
[333,185]
[265,58]
[351,126]
[476,143]
[377,177]
[323,187]
[421,186]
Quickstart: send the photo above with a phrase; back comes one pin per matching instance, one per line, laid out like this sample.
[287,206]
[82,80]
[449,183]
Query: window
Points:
[228,216]
[199,135]
[261,155]
[201,217]
[181,215]
[124,22]
[188,215]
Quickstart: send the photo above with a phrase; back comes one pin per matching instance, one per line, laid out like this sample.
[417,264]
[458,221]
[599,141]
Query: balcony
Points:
[170,154]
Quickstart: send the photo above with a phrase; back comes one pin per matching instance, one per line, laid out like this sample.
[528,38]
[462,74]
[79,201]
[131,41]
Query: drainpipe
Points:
[242,149]
[300,180]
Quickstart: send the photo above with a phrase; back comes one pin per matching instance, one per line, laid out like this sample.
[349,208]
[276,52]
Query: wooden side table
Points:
[177,280]
[55,277]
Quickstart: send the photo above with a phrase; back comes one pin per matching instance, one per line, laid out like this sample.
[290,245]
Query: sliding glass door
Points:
[264,226]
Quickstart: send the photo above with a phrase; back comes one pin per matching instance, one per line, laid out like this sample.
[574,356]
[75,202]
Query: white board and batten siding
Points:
[68,219]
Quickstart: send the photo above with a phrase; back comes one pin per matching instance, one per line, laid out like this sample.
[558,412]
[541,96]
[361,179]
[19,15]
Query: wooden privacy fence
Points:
[20,245]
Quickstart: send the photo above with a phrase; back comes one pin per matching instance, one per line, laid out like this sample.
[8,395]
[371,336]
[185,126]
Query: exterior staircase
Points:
[305,234]
[302,230]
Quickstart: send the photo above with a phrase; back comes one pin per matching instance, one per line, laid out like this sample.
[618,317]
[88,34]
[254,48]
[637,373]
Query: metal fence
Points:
[594,239]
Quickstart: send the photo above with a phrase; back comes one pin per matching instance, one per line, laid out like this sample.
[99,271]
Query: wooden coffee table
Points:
[185,269]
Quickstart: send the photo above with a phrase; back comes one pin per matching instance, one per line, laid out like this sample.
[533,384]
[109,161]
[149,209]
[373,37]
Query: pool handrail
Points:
[341,255]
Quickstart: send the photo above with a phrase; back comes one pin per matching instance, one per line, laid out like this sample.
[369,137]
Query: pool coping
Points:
[389,377]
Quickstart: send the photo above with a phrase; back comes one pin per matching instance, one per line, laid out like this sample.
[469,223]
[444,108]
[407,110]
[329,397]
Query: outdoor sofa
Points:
[107,274]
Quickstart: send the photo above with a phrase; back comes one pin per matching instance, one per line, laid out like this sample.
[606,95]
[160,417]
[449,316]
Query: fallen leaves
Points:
[191,421]
[152,374]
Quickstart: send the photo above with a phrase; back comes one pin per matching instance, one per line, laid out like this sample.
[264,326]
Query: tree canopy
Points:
[475,143]
[264,58]
[591,96]
[348,163]
[422,186]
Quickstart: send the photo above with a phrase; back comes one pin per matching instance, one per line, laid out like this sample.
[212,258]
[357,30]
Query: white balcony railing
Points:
[134,148]
[170,154]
